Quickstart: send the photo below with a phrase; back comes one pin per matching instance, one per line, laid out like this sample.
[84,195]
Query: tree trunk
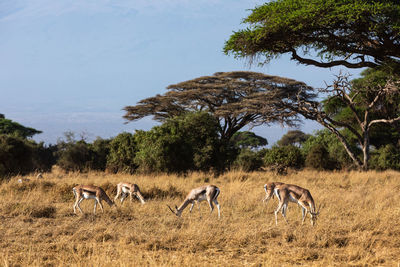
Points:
[365,149]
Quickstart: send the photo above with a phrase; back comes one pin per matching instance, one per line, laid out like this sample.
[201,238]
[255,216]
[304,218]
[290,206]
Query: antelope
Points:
[82,192]
[206,192]
[292,193]
[127,188]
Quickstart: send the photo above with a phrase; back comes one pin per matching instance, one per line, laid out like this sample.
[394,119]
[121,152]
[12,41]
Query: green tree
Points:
[248,160]
[101,150]
[122,152]
[10,127]
[283,157]
[293,137]
[75,156]
[248,139]
[338,157]
[386,157]
[318,158]
[15,156]
[352,33]
[236,99]
[183,143]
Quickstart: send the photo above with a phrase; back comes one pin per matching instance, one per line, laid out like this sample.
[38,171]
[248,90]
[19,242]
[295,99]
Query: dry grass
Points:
[359,225]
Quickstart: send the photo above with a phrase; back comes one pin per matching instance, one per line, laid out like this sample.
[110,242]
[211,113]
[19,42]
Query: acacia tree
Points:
[10,127]
[248,139]
[364,111]
[351,33]
[236,99]
[293,137]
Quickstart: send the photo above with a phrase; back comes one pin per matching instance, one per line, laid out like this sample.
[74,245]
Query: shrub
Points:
[248,160]
[75,156]
[337,154]
[386,157]
[44,157]
[184,143]
[15,156]
[318,158]
[122,152]
[284,157]
[100,148]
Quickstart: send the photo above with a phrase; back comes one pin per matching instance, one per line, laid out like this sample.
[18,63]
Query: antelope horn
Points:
[319,208]
[171,210]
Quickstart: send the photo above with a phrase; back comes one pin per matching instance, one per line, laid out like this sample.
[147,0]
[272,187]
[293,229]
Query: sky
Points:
[72,66]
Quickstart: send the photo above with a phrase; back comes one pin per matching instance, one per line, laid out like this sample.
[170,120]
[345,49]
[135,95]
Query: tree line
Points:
[189,142]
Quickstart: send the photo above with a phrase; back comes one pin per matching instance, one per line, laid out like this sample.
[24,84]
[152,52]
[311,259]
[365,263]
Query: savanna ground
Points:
[358,225]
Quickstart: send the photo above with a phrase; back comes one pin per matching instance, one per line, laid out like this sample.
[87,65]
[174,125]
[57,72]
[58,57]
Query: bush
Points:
[337,153]
[122,152]
[184,143]
[100,148]
[248,160]
[284,157]
[15,156]
[75,156]
[318,158]
[44,157]
[386,157]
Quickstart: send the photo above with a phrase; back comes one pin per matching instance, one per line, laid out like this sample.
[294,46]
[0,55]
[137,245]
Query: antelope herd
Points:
[285,193]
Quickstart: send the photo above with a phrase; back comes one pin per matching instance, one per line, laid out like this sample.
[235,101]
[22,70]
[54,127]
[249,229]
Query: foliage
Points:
[75,156]
[362,110]
[292,138]
[248,161]
[364,91]
[122,152]
[10,127]
[337,155]
[284,157]
[187,142]
[318,158]
[386,157]
[236,98]
[352,33]
[44,156]
[15,156]
[248,140]
[101,150]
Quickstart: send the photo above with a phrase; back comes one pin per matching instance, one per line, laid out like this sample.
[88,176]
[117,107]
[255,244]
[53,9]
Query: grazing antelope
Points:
[206,192]
[296,194]
[82,192]
[127,188]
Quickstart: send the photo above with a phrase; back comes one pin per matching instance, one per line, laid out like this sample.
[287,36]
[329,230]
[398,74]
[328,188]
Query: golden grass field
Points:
[359,224]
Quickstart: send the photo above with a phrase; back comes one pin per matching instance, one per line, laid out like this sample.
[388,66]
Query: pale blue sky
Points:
[73,65]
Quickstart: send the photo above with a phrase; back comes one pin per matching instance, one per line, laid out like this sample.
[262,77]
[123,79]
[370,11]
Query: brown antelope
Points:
[206,192]
[292,193]
[82,192]
[127,188]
